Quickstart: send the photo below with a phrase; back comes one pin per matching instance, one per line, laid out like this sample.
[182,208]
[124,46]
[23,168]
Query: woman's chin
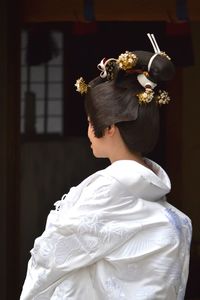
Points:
[95,154]
[98,155]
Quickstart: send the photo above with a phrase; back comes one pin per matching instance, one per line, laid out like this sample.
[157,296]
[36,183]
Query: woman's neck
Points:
[117,150]
[125,154]
[135,157]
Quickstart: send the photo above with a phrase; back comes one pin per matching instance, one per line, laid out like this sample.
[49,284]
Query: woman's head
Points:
[129,97]
[107,104]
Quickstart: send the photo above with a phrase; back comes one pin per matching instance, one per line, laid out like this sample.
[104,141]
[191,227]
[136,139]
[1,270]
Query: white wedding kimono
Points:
[115,237]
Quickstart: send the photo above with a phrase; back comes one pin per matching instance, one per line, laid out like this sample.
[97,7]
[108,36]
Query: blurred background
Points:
[44,47]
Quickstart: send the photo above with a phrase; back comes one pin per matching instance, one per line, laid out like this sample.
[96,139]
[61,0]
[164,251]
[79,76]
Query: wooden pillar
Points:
[9,148]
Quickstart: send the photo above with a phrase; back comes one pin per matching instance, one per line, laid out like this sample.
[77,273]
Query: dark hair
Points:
[116,102]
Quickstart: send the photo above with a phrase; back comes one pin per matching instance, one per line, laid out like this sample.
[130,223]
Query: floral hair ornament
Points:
[81,86]
[146,96]
[127,60]
[162,97]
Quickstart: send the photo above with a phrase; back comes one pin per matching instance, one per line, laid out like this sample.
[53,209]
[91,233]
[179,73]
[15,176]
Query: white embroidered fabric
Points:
[113,237]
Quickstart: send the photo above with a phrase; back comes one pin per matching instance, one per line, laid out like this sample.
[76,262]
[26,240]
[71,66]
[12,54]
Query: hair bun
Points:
[161,69]
[142,71]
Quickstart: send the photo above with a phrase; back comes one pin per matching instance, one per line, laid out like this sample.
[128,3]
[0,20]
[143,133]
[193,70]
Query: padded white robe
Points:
[113,237]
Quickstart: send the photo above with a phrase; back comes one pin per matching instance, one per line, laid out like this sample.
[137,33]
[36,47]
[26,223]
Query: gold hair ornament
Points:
[127,60]
[146,96]
[81,86]
[162,97]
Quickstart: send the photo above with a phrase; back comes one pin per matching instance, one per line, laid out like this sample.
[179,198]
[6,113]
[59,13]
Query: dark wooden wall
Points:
[9,148]
[112,10]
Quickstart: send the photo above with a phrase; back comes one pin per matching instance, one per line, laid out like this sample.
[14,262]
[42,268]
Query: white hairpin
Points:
[153,42]
[155,47]
[156,50]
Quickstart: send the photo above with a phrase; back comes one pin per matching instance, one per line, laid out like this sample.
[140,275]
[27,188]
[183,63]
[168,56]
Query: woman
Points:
[115,236]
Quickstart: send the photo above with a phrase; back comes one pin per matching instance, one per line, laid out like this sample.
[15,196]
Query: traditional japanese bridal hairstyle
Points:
[128,93]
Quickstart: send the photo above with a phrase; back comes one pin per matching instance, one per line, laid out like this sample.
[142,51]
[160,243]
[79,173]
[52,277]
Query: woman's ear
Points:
[110,130]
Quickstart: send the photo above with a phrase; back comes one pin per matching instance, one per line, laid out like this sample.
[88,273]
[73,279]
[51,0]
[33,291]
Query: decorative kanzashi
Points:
[107,68]
[155,46]
[81,86]
[156,50]
[162,97]
[127,60]
[148,85]
[146,96]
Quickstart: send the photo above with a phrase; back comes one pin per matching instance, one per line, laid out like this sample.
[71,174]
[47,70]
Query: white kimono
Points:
[113,237]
